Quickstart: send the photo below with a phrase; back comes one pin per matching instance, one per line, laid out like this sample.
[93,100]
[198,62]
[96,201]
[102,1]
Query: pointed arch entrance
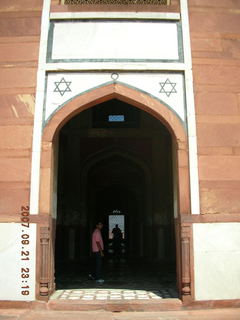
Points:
[110,180]
[45,281]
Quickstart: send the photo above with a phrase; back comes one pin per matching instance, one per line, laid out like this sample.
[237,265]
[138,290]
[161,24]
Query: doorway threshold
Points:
[113,300]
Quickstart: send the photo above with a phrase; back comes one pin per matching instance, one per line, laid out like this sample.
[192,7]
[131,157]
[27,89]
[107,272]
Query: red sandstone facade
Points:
[215,53]
[20,33]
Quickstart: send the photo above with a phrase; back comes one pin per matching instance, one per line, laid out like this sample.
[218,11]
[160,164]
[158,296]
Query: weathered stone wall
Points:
[215,40]
[19,46]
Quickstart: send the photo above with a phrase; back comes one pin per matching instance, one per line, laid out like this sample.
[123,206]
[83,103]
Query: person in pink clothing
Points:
[97,249]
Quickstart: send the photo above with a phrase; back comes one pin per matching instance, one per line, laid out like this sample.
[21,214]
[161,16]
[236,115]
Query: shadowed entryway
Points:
[116,158]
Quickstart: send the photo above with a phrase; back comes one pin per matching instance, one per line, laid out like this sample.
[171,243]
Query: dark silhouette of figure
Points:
[117,241]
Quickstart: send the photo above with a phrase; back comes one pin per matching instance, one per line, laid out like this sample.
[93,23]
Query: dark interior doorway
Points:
[115,159]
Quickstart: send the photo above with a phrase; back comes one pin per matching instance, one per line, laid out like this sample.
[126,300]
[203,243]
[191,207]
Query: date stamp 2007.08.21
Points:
[25,252]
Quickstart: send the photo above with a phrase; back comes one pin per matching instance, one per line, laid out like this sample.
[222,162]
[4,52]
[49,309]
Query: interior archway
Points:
[108,166]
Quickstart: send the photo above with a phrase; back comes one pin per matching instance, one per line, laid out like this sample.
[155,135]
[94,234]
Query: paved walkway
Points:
[125,275]
[212,314]
[113,294]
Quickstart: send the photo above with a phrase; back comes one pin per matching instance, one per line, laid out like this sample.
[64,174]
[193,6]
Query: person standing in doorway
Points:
[117,242]
[97,249]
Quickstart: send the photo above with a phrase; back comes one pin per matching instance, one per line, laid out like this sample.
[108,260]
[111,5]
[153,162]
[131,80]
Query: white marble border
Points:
[115,66]
[192,137]
[38,114]
[115,15]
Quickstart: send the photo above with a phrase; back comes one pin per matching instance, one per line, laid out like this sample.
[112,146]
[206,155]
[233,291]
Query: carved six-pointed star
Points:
[168,87]
[62,86]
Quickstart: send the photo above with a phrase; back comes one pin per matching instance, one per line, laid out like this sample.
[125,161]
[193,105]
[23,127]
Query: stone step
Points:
[115,305]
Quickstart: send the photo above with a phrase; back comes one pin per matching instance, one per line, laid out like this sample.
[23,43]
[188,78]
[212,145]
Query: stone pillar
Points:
[45,263]
[186,266]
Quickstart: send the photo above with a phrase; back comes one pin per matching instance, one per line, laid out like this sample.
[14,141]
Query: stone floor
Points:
[124,280]
[113,294]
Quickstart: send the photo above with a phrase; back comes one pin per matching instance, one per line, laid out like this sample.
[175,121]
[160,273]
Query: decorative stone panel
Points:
[168,88]
[116,2]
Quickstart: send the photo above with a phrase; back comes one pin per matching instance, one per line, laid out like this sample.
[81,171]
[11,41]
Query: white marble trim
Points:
[102,66]
[192,138]
[115,15]
[38,114]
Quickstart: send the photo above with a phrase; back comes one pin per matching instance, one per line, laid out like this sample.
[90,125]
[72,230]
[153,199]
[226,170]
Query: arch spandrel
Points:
[120,92]
[167,88]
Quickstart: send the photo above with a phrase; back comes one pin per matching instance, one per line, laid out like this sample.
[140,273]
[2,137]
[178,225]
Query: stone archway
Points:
[124,155]
[45,269]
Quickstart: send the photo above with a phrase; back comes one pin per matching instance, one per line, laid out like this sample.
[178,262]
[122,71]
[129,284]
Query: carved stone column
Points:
[186,269]
[44,269]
